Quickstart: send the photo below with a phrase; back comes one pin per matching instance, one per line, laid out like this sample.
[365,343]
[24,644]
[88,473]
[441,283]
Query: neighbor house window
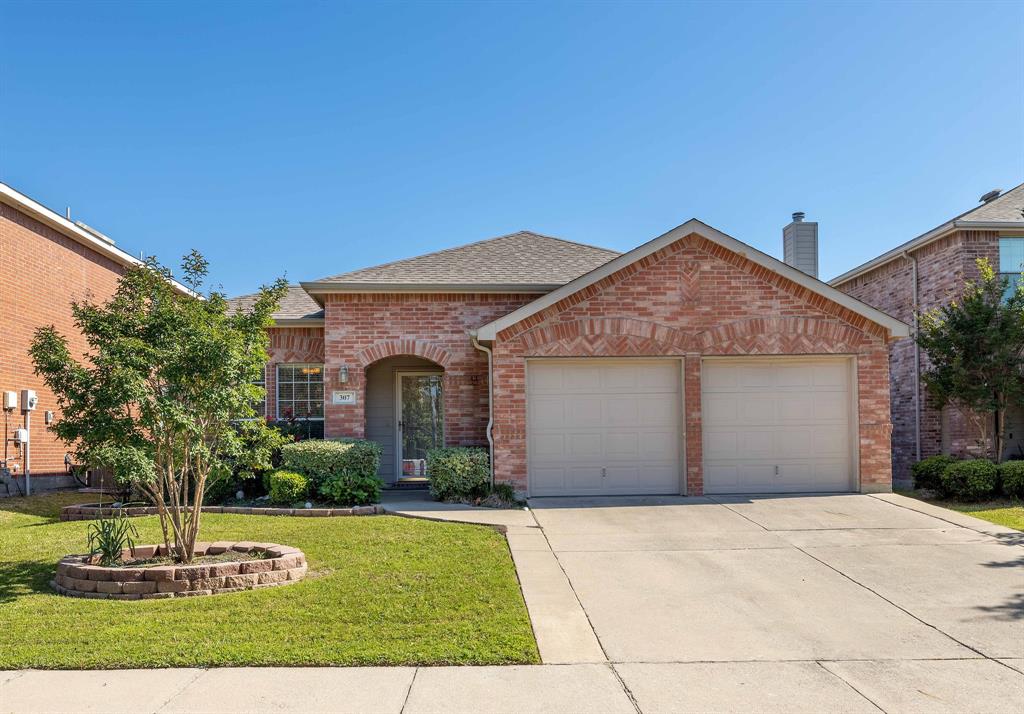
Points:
[1011,262]
[300,391]
[261,405]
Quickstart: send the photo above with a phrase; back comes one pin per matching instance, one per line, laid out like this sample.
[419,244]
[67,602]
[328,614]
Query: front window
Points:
[1011,262]
[261,405]
[300,391]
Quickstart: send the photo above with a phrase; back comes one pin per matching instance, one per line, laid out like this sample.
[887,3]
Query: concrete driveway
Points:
[798,603]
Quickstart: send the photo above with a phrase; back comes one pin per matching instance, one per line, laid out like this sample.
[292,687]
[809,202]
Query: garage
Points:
[778,425]
[604,427]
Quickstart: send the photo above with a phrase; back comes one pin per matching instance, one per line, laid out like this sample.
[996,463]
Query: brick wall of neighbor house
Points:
[362,329]
[290,345]
[690,299]
[942,268]
[41,273]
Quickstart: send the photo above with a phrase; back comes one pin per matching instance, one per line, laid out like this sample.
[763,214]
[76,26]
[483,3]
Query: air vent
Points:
[991,195]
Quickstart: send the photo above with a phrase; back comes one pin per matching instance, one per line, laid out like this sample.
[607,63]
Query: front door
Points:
[420,411]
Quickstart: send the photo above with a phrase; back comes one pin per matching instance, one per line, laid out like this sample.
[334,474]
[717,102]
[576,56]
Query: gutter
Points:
[490,401]
[917,360]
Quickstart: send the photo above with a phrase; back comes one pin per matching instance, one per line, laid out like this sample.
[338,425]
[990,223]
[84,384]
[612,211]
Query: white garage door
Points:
[777,425]
[600,427]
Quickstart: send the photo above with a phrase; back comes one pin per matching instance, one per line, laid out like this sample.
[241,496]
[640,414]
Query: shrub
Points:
[1011,475]
[316,460]
[287,487]
[351,489]
[970,480]
[458,472]
[928,472]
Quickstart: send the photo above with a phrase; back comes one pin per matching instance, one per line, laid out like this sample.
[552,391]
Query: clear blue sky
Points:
[317,138]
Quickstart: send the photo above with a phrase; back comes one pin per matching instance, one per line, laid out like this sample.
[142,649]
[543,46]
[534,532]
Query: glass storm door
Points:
[420,420]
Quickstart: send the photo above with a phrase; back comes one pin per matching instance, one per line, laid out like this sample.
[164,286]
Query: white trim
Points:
[897,328]
[325,288]
[299,322]
[54,220]
[923,240]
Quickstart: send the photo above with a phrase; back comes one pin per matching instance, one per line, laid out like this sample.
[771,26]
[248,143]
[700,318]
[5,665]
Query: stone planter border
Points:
[92,511]
[78,577]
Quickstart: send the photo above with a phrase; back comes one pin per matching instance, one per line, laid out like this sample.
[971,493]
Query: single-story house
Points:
[691,364]
[924,273]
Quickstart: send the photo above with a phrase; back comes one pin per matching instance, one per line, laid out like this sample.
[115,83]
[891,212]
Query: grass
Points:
[1001,511]
[381,590]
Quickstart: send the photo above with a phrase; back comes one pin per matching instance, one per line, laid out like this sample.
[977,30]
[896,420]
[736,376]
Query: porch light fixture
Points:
[343,374]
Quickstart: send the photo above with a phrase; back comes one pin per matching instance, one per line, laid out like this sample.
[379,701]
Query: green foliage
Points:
[970,480]
[165,379]
[458,472]
[343,471]
[109,536]
[975,350]
[1011,476]
[287,487]
[505,492]
[928,472]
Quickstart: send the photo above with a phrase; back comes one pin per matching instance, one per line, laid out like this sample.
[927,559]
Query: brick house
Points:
[925,273]
[691,364]
[46,262]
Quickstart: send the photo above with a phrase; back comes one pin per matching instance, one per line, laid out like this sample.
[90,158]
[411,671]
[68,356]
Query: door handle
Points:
[604,472]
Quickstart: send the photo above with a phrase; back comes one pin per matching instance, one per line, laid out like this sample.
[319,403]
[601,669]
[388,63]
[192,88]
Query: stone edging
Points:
[78,577]
[92,511]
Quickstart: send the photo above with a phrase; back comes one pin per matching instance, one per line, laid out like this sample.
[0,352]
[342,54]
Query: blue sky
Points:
[314,138]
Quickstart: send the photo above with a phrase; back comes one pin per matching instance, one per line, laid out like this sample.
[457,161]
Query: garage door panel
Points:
[777,425]
[622,417]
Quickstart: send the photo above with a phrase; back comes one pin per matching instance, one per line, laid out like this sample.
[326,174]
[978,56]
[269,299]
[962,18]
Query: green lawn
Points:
[380,590]
[1001,511]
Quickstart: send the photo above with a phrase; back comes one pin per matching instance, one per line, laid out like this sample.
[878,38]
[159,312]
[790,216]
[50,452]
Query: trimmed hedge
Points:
[344,471]
[287,487]
[970,480]
[928,472]
[458,472]
[1011,476]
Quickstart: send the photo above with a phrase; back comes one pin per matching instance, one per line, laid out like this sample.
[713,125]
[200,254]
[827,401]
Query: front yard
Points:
[1001,511]
[380,590]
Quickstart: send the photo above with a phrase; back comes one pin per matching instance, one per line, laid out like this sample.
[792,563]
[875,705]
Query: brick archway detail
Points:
[296,348]
[786,334]
[393,348]
[610,335]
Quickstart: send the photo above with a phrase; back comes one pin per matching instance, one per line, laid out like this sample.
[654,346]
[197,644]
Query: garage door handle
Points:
[604,472]
[776,469]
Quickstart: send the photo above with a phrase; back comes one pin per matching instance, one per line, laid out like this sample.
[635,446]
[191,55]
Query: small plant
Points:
[1011,475]
[928,472]
[458,473]
[287,487]
[108,538]
[970,480]
[351,488]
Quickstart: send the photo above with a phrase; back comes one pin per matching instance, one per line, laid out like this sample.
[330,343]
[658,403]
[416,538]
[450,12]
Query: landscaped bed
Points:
[379,590]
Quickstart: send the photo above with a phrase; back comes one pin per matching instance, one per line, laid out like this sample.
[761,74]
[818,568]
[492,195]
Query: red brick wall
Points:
[942,268]
[41,273]
[361,329]
[693,298]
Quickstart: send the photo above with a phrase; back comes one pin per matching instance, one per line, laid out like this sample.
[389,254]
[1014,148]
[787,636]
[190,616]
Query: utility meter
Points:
[28,400]
[10,401]
[20,436]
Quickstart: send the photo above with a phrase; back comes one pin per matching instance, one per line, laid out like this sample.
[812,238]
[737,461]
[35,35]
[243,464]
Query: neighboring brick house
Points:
[940,260]
[691,364]
[46,262]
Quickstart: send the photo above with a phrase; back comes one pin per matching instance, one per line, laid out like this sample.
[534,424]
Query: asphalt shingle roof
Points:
[1005,209]
[295,305]
[522,258]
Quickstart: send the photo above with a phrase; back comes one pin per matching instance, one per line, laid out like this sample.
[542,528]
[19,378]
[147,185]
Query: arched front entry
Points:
[404,414]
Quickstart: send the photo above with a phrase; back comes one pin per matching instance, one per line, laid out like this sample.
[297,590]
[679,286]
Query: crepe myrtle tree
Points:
[975,350]
[160,396]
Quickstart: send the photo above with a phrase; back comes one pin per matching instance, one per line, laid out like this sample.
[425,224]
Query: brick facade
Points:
[41,272]
[691,299]
[943,265]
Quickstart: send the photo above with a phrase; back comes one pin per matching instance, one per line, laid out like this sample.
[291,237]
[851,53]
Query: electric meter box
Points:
[10,400]
[28,400]
[21,436]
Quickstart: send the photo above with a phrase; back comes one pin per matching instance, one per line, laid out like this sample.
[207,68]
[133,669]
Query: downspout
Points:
[917,361]
[490,401]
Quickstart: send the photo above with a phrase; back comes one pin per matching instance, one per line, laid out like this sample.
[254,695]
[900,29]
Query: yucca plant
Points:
[108,537]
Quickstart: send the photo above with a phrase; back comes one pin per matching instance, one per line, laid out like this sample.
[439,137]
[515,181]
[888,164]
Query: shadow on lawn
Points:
[25,577]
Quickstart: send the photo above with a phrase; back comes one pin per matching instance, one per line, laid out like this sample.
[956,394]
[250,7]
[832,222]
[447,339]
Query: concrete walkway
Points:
[731,604]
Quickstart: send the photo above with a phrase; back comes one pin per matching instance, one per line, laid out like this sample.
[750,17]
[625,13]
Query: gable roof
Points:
[490,331]
[517,262]
[1003,213]
[296,307]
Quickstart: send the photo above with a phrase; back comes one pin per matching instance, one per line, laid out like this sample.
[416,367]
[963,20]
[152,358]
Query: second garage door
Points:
[602,427]
[777,425]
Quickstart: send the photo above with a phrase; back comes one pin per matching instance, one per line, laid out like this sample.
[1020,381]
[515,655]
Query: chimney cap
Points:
[798,217]
[991,195]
